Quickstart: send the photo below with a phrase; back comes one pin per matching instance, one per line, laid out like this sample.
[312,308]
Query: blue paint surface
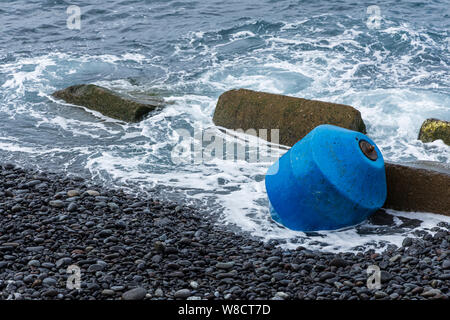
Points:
[325,182]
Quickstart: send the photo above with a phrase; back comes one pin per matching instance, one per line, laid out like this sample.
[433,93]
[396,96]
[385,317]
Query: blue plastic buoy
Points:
[332,178]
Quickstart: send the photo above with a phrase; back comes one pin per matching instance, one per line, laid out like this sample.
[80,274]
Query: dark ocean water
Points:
[189,52]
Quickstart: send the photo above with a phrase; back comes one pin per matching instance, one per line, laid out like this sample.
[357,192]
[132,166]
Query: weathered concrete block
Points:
[420,186]
[105,101]
[294,117]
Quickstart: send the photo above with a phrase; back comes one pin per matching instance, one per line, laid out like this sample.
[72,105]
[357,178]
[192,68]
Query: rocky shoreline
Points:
[129,247]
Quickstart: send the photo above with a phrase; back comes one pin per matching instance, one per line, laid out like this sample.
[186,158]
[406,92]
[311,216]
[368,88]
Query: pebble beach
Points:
[132,247]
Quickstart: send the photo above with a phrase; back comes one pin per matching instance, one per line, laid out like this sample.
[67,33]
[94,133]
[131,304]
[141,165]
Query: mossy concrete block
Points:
[294,117]
[435,129]
[105,101]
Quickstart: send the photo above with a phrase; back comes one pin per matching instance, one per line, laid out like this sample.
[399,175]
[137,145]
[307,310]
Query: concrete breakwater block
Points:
[418,186]
[106,102]
[294,117]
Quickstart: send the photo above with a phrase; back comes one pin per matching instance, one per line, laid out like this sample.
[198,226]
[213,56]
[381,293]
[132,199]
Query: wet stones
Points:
[326,275]
[194,284]
[72,207]
[338,262]
[224,265]
[56,203]
[134,294]
[182,294]
[128,256]
[49,282]
[63,262]
[104,233]
[446,264]
[73,193]
[407,242]
[92,193]
[160,247]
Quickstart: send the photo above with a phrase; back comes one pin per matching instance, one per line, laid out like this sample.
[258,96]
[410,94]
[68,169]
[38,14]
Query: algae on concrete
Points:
[294,117]
[106,102]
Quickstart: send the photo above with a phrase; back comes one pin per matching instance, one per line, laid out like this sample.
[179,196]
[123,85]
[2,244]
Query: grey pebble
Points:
[182,294]
[134,294]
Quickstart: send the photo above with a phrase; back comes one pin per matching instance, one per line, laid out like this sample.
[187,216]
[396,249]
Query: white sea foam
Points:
[242,35]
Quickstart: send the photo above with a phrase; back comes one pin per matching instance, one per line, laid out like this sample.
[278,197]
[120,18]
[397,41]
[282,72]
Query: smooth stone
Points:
[10,244]
[117,288]
[282,295]
[56,203]
[35,249]
[395,258]
[50,293]
[225,265]
[113,205]
[48,265]
[49,282]
[159,246]
[96,267]
[72,207]
[380,294]
[326,276]
[105,233]
[385,276]
[431,293]
[394,296]
[134,294]
[73,193]
[407,242]
[159,293]
[278,276]
[108,292]
[194,284]
[63,262]
[34,263]
[338,262]
[406,259]
[182,294]
[156,258]
[93,193]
